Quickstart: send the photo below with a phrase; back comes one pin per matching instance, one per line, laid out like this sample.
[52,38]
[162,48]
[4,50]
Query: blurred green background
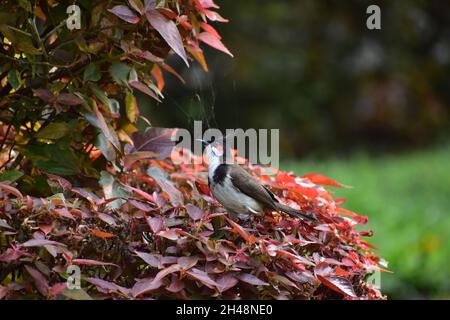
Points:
[369,108]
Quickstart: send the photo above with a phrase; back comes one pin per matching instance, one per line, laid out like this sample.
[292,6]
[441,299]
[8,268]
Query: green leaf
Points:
[14,78]
[56,158]
[91,73]
[10,175]
[53,131]
[119,72]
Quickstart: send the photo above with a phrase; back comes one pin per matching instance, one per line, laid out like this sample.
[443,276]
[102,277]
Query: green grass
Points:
[407,199]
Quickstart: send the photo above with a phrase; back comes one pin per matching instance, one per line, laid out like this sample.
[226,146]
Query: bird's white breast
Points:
[233,199]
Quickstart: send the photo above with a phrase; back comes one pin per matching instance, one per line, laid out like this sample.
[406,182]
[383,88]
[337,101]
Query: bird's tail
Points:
[294,212]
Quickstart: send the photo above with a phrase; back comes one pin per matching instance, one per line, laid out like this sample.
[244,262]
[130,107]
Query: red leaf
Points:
[322,180]
[92,262]
[194,212]
[338,284]
[210,29]
[251,279]
[39,280]
[214,16]
[158,75]
[358,218]
[169,31]
[241,231]
[124,13]
[100,234]
[214,42]
[172,71]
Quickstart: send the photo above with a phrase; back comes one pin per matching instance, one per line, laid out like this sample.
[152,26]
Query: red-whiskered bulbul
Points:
[237,190]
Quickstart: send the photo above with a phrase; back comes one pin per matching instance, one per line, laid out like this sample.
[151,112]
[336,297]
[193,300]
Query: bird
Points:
[235,189]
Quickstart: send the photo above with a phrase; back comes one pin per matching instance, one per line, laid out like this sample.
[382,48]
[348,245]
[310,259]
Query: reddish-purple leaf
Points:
[169,31]
[69,99]
[124,13]
[41,243]
[175,195]
[338,284]
[169,234]
[3,292]
[106,218]
[12,254]
[251,279]
[155,283]
[150,259]
[145,285]
[194,212]
[57,289]
[155,140]
[214,42]
[102,125]
[176,285]
[187,262]
[39,280]
[63,212]
[155,223]
[225,282]
[136,84]
[202,276]
[9,189]
[106,286]
[45,95]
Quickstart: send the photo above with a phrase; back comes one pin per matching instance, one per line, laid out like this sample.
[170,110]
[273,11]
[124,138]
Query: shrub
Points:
[170,239]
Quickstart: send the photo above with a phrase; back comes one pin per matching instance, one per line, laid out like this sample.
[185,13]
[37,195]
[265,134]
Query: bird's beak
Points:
[205,143]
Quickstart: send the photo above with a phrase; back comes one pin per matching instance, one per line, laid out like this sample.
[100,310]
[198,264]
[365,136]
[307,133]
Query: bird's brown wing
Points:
[248,185]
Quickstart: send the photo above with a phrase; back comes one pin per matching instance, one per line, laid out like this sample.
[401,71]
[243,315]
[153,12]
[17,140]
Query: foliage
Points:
[170,239]
[80,185]
[65,93]
[411,224]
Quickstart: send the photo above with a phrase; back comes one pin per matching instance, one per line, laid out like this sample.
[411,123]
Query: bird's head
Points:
[213,148]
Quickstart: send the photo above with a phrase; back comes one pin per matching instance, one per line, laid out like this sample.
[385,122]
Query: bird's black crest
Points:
[220,173]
